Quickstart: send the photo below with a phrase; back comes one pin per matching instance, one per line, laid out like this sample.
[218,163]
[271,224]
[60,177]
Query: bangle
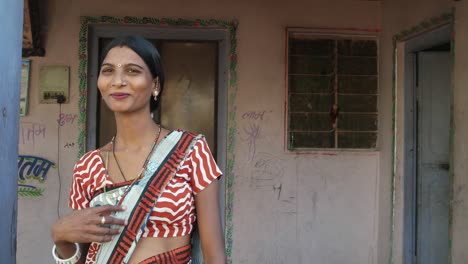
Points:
[72,260]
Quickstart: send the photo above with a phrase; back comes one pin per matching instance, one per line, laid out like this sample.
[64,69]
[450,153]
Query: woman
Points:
[134,199]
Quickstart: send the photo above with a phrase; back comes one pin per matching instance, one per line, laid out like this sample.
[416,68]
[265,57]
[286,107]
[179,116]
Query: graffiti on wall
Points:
[66,119]
[31,132]
[32,172]
[252,130]
[69,145]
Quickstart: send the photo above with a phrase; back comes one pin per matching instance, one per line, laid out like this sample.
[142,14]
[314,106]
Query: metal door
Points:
[433,182]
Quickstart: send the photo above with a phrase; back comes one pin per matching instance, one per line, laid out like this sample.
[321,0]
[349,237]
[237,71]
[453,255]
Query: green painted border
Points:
[30,191]
[230,26]
[426,25]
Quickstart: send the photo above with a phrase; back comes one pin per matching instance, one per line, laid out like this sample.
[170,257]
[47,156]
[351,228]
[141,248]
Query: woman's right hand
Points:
[85,226]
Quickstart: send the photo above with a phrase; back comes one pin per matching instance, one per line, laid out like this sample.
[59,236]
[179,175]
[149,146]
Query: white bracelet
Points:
[72,260]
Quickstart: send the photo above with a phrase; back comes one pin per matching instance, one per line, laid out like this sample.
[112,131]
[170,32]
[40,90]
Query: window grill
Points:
[332,92]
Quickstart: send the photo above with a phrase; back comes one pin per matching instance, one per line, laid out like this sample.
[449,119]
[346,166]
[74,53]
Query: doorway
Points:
[428,73]
[205,79]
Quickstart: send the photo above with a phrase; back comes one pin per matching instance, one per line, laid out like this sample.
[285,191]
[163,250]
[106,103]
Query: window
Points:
[332,91]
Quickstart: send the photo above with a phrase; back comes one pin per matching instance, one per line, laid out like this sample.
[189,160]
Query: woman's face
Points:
[125,81]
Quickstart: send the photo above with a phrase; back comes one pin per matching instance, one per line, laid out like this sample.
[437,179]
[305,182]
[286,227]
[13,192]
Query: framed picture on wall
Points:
[25,66]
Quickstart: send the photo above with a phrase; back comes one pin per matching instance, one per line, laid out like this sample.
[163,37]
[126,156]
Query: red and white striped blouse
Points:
[174,213]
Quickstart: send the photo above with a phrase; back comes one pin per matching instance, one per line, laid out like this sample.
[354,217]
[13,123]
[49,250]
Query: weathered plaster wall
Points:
[287,208]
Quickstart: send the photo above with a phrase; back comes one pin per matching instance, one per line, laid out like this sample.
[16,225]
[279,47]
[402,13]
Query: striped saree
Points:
[140,199]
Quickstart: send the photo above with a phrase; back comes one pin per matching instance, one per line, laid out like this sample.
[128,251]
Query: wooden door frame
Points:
[109,31]
[224,32]
[404,138]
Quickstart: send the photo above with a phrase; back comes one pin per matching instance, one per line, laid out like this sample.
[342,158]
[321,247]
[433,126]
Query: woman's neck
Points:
[134,131]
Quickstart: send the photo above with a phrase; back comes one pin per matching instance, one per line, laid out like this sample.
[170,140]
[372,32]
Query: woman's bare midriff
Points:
[151,246]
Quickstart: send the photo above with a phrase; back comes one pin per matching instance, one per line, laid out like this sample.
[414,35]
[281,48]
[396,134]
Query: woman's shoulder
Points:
[198,141]
[88,157]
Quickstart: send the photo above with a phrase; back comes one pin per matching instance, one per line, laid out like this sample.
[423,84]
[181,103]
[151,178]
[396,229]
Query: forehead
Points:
[123,55]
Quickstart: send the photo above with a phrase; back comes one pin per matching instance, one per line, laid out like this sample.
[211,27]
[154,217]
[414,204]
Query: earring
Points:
[156,91]
[155,94]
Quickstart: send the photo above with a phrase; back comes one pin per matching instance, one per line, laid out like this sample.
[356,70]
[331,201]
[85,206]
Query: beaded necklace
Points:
[143,169]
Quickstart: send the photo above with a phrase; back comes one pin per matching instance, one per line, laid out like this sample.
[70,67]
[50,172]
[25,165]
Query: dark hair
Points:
[147,51]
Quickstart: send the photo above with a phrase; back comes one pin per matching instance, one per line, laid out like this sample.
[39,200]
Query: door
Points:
[433,145]
[189,97]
